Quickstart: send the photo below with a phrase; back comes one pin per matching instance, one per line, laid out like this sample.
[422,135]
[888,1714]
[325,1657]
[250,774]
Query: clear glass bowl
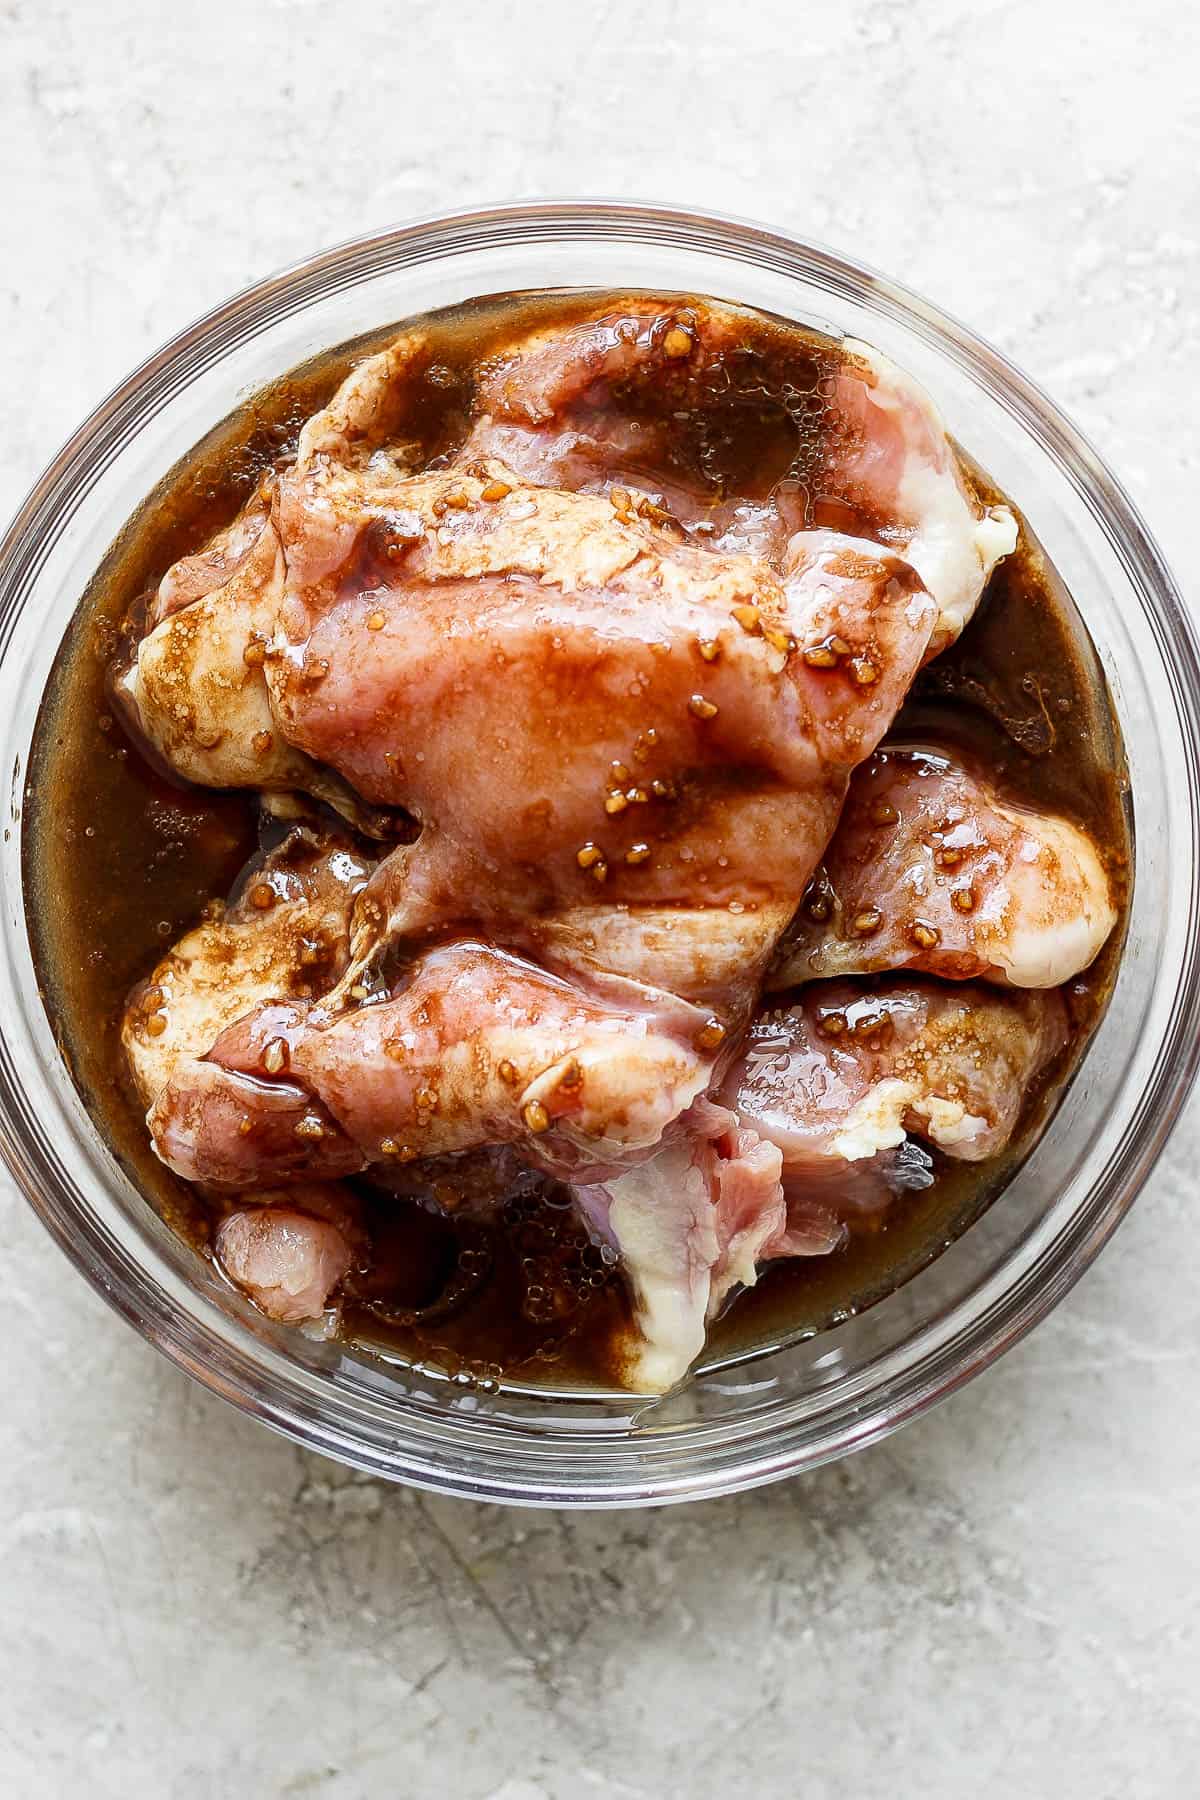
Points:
[737,1427]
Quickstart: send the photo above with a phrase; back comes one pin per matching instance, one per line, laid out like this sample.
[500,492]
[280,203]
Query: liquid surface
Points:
[120,861]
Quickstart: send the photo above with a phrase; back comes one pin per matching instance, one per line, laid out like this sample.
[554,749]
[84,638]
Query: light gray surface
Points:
[1002,1600]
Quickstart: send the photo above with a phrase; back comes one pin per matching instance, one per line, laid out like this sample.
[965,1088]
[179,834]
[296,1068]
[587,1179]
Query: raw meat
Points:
[930,869]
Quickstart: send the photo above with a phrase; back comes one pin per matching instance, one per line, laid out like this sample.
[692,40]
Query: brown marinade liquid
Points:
[119,861]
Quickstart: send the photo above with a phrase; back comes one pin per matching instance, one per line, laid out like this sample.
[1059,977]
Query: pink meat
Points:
[690,1226]
[478,1048]
[625,718]
[846,1073]
[930,869]
[729,771]
[598,404]
[287,1261]
[561,409]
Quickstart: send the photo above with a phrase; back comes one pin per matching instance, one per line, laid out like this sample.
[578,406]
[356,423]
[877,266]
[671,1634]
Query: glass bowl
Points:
[737,1426]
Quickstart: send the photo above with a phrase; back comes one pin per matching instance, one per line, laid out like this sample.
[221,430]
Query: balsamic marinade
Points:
[120,861]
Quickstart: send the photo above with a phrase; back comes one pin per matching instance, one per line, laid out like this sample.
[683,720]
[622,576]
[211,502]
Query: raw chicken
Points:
[288,1261]
[477,1048]
[690,1225]
[195,689]
[612,755]
[888,458]
[929,869]
[640,399]
[228,1130]
[819,1107]
[622,688]
[818,1139]
[848,1072]
[249,542]
[284,935]
[568,409]
[570,700]
[671,722]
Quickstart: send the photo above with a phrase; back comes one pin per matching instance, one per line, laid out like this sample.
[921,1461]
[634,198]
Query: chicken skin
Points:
[473,1047]
[285,934]
[872,456]
[929,869]
[846,1072]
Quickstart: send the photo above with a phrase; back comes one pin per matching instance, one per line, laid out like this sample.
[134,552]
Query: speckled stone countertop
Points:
[1002,1599]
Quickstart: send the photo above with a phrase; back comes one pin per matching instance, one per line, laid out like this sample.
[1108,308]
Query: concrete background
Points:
[1002,1600]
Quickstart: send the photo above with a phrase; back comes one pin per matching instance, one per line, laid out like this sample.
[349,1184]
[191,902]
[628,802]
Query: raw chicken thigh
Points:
[474,1047]
[814,1128]
[930,869]
[195,688]
[845,1074]
[884,468]
[642,740]
[284,935]
[569,696]
[612,686]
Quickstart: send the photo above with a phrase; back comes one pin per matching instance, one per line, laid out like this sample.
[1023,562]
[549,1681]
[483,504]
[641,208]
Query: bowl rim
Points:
[1114,1188]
